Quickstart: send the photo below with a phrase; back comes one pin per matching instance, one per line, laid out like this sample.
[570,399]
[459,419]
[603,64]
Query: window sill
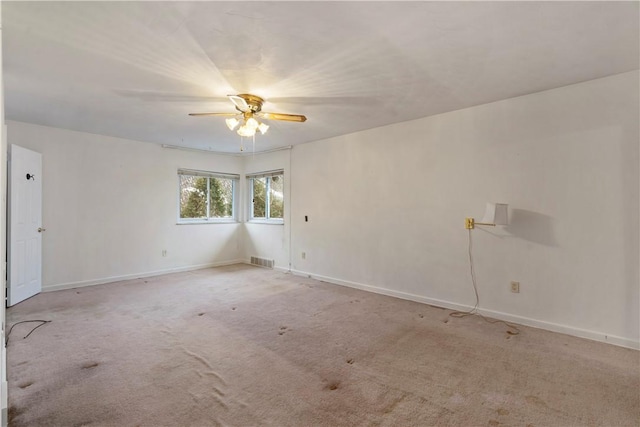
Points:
[266,221]
[200,222]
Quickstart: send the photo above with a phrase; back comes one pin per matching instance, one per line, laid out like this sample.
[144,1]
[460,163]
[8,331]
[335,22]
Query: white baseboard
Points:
[112,279]
[549,326]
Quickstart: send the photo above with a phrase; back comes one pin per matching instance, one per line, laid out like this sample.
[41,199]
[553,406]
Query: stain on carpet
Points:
[25,384]
[535,401]
[332,385]
[90,365]
[502,411]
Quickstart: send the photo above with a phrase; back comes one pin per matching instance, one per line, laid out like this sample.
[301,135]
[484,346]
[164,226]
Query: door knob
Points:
[40,229]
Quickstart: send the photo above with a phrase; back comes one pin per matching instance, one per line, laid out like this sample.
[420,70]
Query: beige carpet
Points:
[243,346]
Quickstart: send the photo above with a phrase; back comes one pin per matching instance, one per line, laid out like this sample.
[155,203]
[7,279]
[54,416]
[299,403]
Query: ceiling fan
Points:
[249,111]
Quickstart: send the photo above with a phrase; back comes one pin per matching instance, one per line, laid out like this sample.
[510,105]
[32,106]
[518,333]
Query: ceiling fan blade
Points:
[240,103]
[214,114]
[285,117]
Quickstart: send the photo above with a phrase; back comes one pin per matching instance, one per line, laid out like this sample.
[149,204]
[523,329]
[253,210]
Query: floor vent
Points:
[262,262]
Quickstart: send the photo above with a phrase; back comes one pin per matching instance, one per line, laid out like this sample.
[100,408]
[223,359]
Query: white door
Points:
[24,257]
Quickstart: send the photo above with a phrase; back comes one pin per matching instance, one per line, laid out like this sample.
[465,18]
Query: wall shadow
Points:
[532,226]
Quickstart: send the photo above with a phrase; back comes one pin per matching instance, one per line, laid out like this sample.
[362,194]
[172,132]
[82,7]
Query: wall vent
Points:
[262,262]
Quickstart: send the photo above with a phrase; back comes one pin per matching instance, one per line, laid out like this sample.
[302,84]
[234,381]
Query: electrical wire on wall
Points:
[474,311]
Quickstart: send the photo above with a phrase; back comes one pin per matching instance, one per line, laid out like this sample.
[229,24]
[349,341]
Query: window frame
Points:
[235,180]
[266,219]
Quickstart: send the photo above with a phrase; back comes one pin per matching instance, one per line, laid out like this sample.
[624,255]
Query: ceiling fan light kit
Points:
[250,106]
[232,123]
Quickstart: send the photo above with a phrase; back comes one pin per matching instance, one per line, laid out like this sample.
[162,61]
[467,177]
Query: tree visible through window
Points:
[259,197]
[267,192]
[206,196]
[276,196]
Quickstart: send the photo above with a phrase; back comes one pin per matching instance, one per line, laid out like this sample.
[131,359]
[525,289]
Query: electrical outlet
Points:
[515,287]
[304,255]
[164,252]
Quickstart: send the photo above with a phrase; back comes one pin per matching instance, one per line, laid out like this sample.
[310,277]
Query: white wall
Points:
[269,240]
[386,208]
[110,208]
[3,246]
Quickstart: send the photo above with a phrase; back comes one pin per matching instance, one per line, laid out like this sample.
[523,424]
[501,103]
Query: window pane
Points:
[193,197]
[259,187]
[221,204]
[276,197]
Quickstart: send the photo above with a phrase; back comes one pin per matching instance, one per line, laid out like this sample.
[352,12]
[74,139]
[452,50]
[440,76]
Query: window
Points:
[267,196]
[206,196]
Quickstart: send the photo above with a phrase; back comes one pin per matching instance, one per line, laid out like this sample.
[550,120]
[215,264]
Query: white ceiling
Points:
[136,69]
